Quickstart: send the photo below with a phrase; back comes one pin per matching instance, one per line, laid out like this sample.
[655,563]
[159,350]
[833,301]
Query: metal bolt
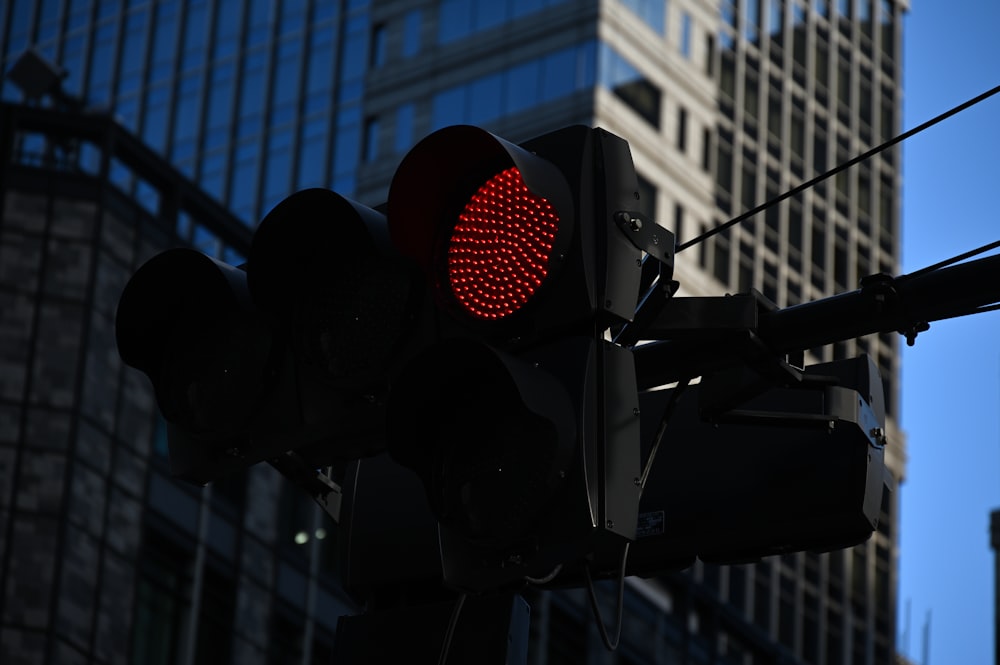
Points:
[636,482]
[635,411]
[611,524]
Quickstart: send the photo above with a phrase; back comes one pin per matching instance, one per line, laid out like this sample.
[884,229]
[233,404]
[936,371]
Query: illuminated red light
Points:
[500,248]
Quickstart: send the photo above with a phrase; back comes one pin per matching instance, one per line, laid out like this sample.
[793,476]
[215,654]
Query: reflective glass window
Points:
[522,86]
[127,111]
[411,33]
[352,55]
[522,7]
[405,115]
[319,74]
[652,12]
[559,74]
[74,49]
[627,82]
[79,12]
[134,46]
[106,8]
[19,27]
[243,186]
[371,138]
[685,45]
[277,177]
[154,128]
[485,99]
[186,117]
[488,14]
[774,17]
[293,15]
[586,65]
[227,29]
[454,20]
[311,168]
[194,26]
[220,95]
[48,20]
[448,107]
[378,46]
[347,148]
[102,64]
[312,155]
[751,19]
[286,74]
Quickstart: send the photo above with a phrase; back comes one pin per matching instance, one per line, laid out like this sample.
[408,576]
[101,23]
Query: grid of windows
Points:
[109,557]
[216,86]
[516,88]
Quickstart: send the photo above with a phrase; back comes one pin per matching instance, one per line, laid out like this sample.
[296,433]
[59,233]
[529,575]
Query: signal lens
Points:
[500,249]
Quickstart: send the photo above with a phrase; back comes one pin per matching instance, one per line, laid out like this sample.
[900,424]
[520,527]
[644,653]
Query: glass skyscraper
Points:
[725,104]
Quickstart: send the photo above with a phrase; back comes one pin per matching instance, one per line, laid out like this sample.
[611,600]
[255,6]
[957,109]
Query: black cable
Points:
[952,260]
[661,431]
[608,643]
[544,580]
[450,633]
[829,174]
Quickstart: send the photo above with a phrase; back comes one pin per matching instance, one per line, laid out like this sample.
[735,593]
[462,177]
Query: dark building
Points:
[104,558]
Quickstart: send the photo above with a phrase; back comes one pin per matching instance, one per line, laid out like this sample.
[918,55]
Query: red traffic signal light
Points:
[520,240]
[522,422]
[501,249]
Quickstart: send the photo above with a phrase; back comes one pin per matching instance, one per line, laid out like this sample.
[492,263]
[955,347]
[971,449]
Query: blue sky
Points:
[951,377]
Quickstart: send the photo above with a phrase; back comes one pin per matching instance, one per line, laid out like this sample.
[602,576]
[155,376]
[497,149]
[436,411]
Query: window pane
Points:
[522,86]
[448,108]
[411,33]
[404,127]
[485,99]
[454,20]
[558,74]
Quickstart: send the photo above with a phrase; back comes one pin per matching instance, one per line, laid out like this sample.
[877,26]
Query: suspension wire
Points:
[661,431]
[952,260]
[450,633]
[610,644]
[834,171]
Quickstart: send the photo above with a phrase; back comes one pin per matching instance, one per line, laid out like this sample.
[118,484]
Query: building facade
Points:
[725,104]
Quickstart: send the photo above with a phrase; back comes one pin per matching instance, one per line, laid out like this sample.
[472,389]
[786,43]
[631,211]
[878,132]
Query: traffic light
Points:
[795,467]
[292,351]
[522,421]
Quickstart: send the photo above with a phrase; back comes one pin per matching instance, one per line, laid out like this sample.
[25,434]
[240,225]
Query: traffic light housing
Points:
[523,421]
[794,468]
[291,351]
[484,326]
